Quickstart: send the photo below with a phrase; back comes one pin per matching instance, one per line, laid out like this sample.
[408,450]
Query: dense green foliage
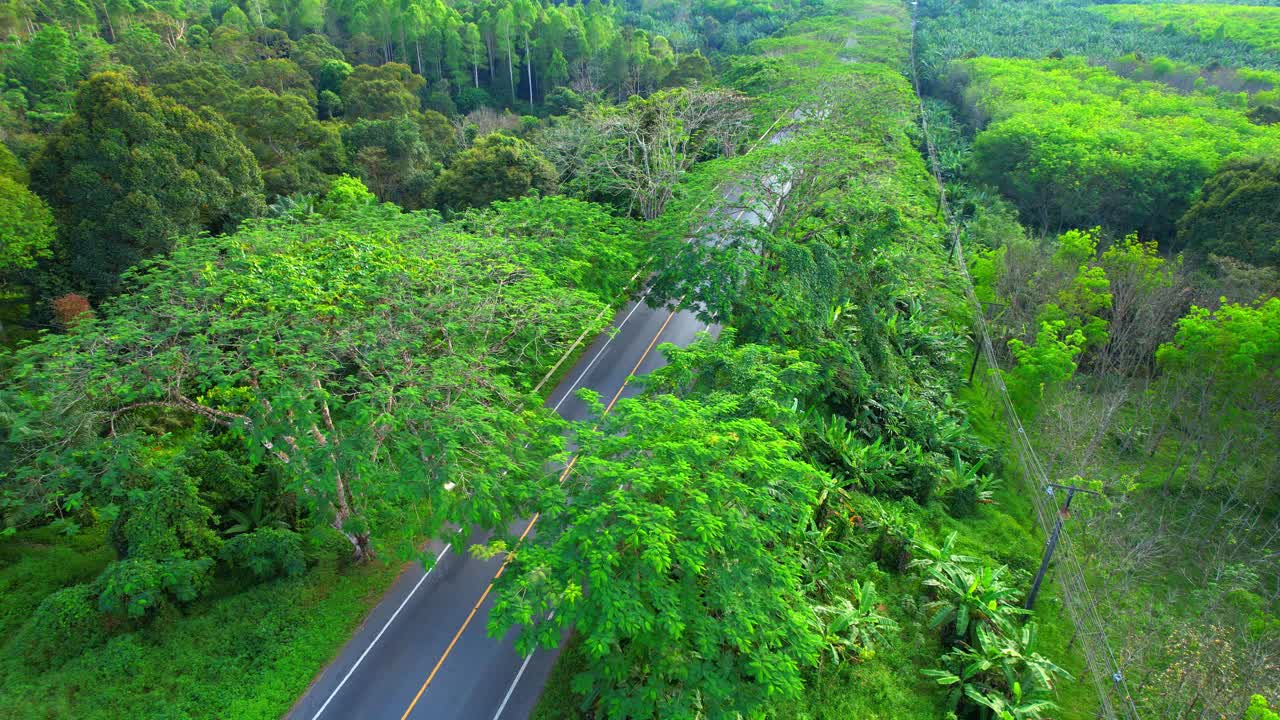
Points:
[128,171]
[710,619]
[279,381]
[1147,376]
[391,93]
[238,654]
[1075,145]
[1237,214]
[840,350]
[1256,26]
[253,398]
[496,167]
[26,229]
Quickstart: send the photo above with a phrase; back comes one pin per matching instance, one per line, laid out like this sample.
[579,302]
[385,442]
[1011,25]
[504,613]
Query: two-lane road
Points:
[423,651]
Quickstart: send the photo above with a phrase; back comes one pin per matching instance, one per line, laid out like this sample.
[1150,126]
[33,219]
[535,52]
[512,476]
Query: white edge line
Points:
[587,369]
[506,698]
[378,637]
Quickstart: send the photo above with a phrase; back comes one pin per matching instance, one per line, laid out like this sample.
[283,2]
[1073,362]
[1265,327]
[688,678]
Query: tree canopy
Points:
[1074,145]
[671,548]
[496,167]
[128,172]
[1237,214]
[361,367]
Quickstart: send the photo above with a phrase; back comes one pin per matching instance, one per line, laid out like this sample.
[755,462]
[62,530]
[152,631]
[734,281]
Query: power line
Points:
[1114,698]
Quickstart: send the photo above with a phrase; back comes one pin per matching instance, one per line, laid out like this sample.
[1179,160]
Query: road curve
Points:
[423,652]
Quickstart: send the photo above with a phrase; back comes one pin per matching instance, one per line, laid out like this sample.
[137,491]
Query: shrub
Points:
[133,588]
[266,552]
[963,501]
[346,196]
[130,588]
[65,624]
[69,309]
[1259,710]
[327,544]
[471,99]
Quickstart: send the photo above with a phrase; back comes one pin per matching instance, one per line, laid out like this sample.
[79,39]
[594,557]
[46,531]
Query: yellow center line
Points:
[568,469]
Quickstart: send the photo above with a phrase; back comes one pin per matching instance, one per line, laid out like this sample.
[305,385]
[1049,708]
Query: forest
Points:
[286,287]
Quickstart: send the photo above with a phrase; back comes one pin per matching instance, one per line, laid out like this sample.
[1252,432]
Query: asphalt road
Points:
[423,651]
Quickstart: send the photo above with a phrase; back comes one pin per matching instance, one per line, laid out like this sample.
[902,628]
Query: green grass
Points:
[38,562]
[1019,542]
[558,701]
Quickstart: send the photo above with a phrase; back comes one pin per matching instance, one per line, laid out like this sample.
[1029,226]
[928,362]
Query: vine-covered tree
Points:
[640,151]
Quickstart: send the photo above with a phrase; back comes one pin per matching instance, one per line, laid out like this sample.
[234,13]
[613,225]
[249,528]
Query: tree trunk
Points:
[111,30]
[511,73]
[528,60]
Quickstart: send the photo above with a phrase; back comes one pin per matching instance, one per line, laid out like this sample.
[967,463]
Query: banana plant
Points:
[824,561]
[1000,676]
[893,543]
[929,556]
[970,599]
[852,627]
[868,465]
[256,517]
[965,486]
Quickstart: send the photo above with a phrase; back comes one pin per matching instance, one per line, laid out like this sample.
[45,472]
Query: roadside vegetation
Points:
[1137,338]
[889,555]
[282,287]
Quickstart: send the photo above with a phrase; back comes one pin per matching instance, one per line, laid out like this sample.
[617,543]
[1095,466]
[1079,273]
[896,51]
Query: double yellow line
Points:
[568,469]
